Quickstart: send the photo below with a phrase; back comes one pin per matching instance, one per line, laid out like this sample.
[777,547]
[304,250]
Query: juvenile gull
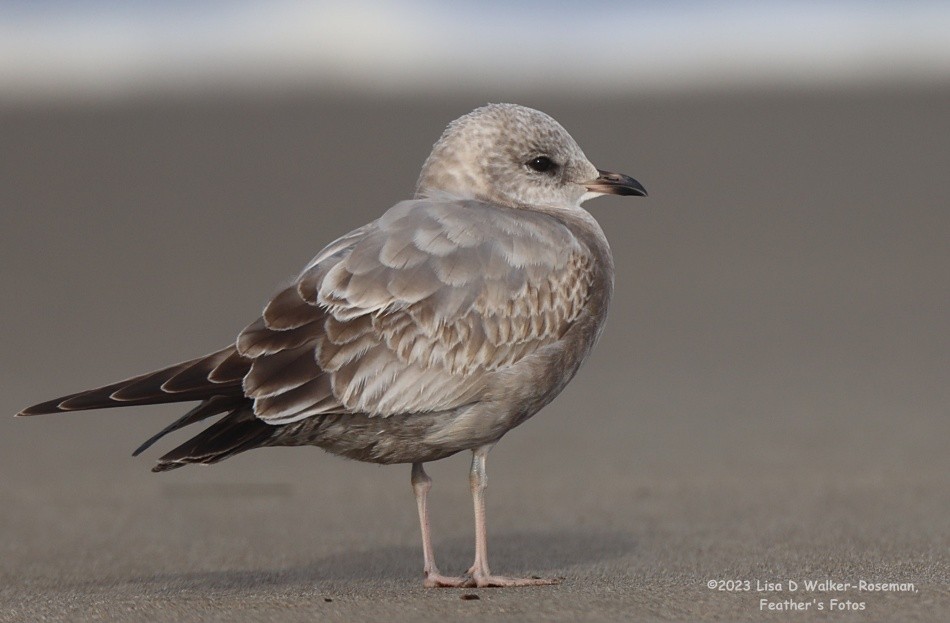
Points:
[437,328]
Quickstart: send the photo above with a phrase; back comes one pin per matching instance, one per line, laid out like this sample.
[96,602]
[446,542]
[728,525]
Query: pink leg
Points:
[421,483]
[481,576]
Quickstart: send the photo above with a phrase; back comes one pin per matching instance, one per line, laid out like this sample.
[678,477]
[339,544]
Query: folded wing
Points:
[414,312]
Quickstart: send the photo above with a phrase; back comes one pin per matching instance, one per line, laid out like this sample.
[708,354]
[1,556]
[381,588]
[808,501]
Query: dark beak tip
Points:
[634,192]
[617,184]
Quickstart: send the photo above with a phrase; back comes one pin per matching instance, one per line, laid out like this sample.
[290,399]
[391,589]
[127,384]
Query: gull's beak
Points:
[615,184]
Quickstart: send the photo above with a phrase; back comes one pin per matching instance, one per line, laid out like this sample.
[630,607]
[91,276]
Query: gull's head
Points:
[519,157]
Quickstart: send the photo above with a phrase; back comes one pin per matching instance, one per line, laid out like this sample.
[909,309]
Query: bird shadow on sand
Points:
[544,554]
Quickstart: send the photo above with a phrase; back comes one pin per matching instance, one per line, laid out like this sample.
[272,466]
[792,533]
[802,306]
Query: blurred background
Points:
[770,399]
[102,49]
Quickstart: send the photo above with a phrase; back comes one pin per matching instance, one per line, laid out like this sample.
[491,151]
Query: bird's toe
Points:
[500,581]
[437,580]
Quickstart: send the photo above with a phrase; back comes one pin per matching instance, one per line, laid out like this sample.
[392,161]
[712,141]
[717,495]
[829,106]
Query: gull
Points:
[436,328]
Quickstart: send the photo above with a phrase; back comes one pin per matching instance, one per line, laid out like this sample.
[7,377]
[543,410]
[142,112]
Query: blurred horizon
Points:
[92,49]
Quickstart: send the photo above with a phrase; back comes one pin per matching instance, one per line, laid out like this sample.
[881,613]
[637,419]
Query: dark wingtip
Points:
[50,406]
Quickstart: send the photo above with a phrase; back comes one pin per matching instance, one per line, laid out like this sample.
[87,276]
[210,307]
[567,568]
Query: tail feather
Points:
[236,432]
[208,408]
[183,382]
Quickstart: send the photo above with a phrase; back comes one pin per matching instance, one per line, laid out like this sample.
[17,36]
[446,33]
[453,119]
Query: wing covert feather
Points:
[412,312]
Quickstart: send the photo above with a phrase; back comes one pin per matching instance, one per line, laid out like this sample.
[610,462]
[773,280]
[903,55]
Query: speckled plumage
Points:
[437,328]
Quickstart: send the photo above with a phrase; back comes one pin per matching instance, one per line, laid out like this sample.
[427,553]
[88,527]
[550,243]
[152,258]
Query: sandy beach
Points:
[769,404]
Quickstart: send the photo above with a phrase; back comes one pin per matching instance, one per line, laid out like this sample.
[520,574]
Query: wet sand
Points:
[769,401]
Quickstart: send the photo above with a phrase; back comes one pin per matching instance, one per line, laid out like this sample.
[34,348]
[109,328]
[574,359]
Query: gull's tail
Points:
[215,380]
[236,432]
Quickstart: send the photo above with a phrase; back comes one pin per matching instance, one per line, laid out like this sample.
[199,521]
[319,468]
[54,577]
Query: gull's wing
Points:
[413,312]
[217,375]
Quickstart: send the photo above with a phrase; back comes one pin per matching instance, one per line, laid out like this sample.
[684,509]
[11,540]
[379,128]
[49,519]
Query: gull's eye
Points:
[542,164]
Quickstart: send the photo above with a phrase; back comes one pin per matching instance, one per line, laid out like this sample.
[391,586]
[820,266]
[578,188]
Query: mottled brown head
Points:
[511,155]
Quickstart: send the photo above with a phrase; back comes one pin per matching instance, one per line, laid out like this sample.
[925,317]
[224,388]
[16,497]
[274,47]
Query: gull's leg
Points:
[480,573]
[421,483]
